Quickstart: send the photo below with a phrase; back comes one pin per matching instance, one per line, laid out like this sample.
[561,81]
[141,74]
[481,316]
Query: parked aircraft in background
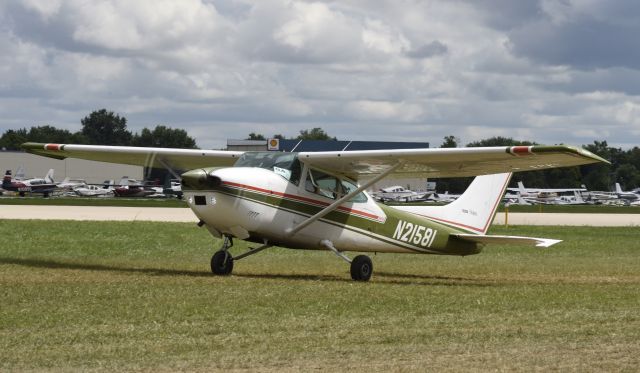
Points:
[70,184]
[626,196]
[312,200]
[93,191]
[445,197]
[44,186]
[400,194]
[551,196]
[131,188]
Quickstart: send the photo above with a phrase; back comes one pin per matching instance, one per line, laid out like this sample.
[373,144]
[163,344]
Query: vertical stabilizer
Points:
[474,210]
[618,188]
[49,176]
[20,174]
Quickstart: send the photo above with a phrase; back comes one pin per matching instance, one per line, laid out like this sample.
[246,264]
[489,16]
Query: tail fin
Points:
[474,210]
[618,188]
[521,189]
[20,173]
[49,176]
[6,181]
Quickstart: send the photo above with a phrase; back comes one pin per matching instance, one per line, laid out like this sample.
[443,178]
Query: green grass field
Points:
[139,296]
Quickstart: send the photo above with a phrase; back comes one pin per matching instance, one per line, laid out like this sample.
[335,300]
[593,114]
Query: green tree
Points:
[255,136]
[164,137]
[12,139]
[597,176]
[103,127]
[499,141]
[628,176]
[314,134]
[450,142]
[48,134]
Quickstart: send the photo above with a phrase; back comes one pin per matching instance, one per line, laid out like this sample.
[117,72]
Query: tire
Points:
[361,268]
[222,263]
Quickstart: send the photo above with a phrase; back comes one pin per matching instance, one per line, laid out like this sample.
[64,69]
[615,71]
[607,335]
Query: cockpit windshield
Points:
[286,165]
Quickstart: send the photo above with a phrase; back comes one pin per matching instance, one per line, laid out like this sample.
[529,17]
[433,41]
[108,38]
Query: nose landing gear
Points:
[222,260]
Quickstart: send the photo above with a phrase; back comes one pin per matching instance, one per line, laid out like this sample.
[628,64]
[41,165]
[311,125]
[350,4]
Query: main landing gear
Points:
[361,265]
[222,260]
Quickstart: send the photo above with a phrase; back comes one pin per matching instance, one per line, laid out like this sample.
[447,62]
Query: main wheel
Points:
[222,263]
[361,268]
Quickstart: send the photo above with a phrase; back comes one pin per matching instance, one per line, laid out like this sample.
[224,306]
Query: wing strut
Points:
[169,168]
[345,198]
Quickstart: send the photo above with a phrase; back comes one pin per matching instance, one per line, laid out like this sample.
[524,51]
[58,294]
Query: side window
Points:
[331,187]
[349,187]
[320,183]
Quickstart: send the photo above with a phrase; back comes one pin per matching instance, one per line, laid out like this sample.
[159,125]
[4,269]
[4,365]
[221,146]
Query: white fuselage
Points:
[258,204]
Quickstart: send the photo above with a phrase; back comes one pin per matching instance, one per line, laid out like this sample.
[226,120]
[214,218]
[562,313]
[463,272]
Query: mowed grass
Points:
[139,296]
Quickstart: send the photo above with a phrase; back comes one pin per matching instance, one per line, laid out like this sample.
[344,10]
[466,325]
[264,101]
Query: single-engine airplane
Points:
[317,200]
[44,186]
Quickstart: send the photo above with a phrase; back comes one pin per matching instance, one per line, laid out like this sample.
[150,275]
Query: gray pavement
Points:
[185,215]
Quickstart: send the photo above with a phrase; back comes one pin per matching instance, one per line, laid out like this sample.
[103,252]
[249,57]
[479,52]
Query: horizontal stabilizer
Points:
[507,240]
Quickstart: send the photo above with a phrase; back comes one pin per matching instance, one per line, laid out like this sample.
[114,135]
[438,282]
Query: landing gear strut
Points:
[222,260]
[361,265]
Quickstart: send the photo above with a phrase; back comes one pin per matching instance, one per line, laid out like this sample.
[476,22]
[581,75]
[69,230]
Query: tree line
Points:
[624,168]
[103,127]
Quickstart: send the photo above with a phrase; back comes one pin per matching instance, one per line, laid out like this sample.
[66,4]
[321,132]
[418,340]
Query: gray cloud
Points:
[435,48]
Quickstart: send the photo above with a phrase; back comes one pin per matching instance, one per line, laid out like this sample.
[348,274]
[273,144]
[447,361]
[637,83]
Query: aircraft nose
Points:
[199,179]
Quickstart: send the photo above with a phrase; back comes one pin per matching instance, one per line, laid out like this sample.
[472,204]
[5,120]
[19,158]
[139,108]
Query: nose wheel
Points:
[222,263]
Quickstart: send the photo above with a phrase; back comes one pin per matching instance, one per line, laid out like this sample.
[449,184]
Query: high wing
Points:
[448,162]
[182,159]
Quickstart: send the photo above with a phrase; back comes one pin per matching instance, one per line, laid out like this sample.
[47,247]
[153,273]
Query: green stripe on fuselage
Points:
[442,243]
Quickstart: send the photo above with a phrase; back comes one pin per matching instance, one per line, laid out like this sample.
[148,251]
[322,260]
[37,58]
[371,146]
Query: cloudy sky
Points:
[551,71]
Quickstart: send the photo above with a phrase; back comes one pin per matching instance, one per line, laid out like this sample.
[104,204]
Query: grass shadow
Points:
[378,277]
[52,264]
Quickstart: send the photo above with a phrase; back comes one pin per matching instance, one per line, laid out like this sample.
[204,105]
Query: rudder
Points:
[474,210]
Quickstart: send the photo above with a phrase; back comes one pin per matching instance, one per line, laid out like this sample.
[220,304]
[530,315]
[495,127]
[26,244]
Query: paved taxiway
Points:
[185,215]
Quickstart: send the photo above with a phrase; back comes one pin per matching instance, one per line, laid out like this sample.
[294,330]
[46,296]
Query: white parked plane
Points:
[93,191]
[312,200]
[400,193]
[626,196]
